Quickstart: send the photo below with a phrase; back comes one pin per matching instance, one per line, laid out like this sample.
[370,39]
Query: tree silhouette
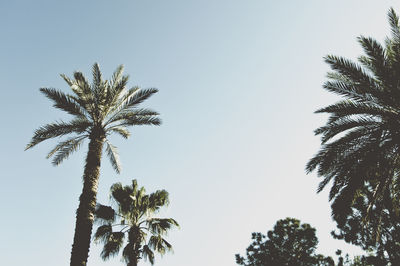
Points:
[289,243]
[380,235]
[361,140]
[99,109]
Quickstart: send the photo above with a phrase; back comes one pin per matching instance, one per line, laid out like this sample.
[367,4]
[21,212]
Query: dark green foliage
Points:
[360,143]
[133,221]
[99,109]
[289,243]
[380,236]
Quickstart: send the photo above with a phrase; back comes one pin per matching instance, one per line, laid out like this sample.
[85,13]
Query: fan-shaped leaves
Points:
[134,218]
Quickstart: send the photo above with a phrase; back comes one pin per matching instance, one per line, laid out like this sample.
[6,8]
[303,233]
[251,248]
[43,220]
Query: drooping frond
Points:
[112,245]
[148,254]
[104,213]
[64,102]
[121,130]
[160,226]
[112,154]
[58,129]
[158,199]
[64,149]
[103,233]
[156,242]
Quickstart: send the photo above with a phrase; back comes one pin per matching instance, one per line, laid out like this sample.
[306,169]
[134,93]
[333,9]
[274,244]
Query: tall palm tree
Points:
[360,142]
[133,218]
[99,109]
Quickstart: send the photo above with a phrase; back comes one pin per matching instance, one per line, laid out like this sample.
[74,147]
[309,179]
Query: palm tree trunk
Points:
[87,202]
[133,262]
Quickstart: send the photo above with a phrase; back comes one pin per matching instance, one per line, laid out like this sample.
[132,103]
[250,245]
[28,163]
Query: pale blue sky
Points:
[239,81]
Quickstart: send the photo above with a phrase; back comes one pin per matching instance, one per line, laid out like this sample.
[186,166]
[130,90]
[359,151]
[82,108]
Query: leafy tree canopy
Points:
[290,243]
[379,235]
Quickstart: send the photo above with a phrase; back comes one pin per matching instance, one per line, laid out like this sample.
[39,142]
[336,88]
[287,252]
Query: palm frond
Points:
[112,154]
[130,115]
[159,244]
[376,57]
[158,199]
[64,102]
[148,254]
[123,131]
[103,233]
[67,79]
[394,24]
[64,149]
[131,99]
[104,214]
[112,245]
[97,79]
[138,97]
[58,129]
[160,226]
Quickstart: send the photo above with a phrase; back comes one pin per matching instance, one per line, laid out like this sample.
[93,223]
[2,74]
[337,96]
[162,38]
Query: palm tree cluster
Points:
[133,219]
[360,143]
[99,110]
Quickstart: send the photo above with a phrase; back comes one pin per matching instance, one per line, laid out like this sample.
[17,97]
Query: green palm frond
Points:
[112,245]
[160,226]
[148,254]
[104,214]
[115,92]
[140,120]
[375,60]
[159,244]
[129,115]
[352,71]
[64,149]
[158,199]
[103,233]
[75,141]
[394,25]
[133,97]
[97,77]
[64,102]
[138,97]
[58,129]
[122,131]
[112,154]
[348,107]
[117,75]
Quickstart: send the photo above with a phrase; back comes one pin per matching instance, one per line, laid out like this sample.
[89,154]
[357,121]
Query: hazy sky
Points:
[239,81]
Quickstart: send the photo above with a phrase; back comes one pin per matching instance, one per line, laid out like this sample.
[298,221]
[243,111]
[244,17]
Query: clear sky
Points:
[239,81]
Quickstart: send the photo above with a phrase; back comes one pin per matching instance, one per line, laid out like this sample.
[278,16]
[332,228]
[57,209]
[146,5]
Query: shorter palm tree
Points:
[133,218]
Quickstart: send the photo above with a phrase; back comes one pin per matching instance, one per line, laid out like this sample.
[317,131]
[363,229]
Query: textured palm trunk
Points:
[133,262]
[87,202]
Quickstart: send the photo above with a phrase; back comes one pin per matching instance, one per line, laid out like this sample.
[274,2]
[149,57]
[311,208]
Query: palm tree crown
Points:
[99,109]
[133,218]
[360,143]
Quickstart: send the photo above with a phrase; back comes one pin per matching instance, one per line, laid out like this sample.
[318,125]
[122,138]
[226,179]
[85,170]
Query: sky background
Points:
[239,82]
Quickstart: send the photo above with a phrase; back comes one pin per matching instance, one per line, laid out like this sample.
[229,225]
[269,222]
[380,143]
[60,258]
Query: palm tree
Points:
[99,109]
[133,218]
[360,142]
